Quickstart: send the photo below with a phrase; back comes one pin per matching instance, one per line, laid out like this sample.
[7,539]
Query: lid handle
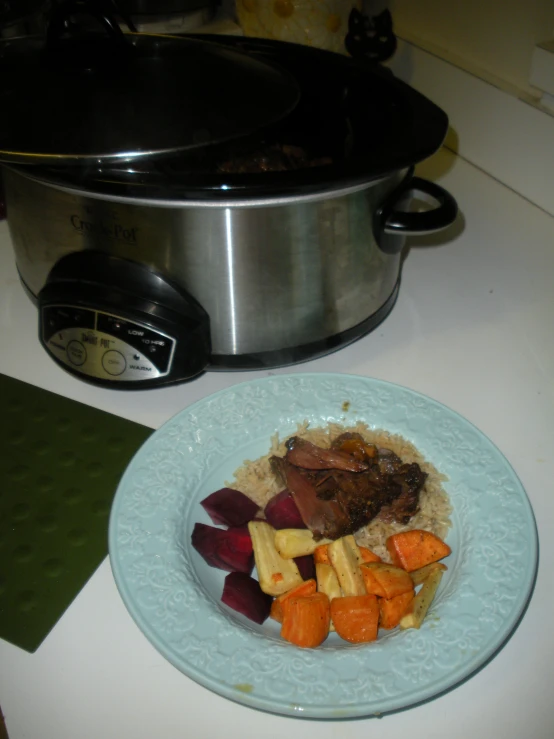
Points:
[102,11]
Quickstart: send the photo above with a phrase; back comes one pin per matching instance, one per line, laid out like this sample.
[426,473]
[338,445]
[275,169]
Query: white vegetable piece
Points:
[327,582]
[418,608]
[292,543]
[275,574]
[346,559]
[419,576]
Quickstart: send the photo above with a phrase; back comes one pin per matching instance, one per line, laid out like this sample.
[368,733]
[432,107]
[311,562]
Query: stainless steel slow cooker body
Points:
[149,274]
[274,275]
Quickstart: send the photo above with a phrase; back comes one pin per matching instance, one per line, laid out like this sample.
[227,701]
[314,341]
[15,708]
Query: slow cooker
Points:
[260,224]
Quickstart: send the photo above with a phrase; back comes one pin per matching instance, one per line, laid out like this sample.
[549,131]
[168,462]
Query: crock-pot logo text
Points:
[107,230]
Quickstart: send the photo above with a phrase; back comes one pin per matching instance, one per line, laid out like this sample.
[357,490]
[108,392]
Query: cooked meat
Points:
[303,453]
[411,479]
[338,500]
[277,465]
[324,516]
[388,461]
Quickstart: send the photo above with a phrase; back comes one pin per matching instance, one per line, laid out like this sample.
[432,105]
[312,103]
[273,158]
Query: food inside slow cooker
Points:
[271,158]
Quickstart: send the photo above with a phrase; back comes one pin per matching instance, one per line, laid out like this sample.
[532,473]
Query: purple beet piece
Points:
[228,549]
[243,594]
[282,512]
[306,566]
[229,507]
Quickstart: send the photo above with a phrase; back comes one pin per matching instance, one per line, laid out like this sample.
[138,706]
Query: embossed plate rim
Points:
[169,591]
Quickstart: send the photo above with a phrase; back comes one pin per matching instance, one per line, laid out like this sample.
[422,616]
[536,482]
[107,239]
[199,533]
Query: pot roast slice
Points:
[325,518]
[304,454]
[337,494]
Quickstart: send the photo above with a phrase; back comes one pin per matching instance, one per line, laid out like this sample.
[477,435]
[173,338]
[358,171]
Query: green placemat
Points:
[61,462]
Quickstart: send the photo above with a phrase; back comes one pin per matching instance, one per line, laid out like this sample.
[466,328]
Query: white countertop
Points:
[473,328]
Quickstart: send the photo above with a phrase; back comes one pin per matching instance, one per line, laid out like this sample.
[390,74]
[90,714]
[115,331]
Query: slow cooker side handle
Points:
[392,219]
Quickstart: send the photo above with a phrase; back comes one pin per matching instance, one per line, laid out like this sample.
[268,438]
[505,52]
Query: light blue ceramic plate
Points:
[174,596]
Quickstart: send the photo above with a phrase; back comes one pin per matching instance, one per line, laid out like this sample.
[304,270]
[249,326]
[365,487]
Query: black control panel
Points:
[115,322]
[106,346]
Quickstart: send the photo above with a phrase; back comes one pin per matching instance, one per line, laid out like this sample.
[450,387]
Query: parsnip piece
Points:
[418,608]
[346,559]
[419,576]
[327,582]
[275,574]
[292,543]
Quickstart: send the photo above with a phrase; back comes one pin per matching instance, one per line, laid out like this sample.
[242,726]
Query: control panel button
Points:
[114,362]
[76,353]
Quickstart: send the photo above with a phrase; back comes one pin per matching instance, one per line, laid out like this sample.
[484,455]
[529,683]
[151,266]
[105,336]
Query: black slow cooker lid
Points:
[356,121]
[89,97]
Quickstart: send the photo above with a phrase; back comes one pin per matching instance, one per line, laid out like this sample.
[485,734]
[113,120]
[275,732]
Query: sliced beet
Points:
[282,512]
[229,550]
[306,566]
[243,594]
[229,507]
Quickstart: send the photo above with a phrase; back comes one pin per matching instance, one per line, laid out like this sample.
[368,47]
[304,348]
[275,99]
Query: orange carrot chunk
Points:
[321,555]
[391,610]
[356,617]
[384,580]
[372,585]
[417,548]
[368,555]
[308,587]
[306,620]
